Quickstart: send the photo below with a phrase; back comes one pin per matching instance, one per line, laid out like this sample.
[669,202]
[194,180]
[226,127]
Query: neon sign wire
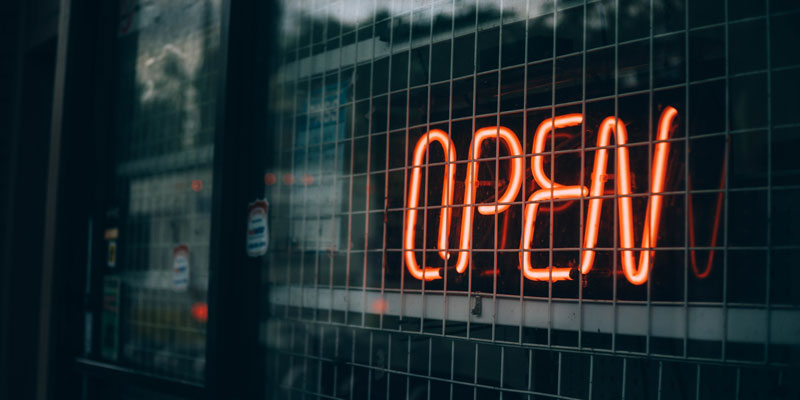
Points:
[548,192]
[439,136]
[515,148]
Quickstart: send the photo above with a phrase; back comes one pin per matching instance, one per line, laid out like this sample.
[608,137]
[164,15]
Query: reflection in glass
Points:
[160,191]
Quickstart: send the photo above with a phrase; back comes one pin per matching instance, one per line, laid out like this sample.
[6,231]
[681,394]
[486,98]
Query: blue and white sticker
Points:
[180,268]
[257,228]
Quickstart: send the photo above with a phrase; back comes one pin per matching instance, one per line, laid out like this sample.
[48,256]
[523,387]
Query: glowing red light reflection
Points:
[714,232]
[199,312]
[270,179]
[197,185]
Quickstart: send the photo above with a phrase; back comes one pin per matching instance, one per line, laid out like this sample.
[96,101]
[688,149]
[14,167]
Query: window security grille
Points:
[361,83]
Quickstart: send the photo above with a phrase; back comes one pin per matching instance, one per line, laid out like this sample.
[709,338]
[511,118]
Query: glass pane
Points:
[157,225]
[508,189]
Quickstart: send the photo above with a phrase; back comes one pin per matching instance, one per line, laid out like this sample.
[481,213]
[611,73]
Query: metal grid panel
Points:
[318,360]
[359,84]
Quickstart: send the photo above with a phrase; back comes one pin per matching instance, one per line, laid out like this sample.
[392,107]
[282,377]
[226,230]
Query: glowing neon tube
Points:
[550,191]
[540,140]
[436,135]
[599,178]
[636,276]
[515,175]
[541,195]
[515,182]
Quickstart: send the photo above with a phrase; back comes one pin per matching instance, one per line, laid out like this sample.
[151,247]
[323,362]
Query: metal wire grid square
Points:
[685,26]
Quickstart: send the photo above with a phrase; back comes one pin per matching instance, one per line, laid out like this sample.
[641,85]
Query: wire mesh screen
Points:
[157,224]
[602,189]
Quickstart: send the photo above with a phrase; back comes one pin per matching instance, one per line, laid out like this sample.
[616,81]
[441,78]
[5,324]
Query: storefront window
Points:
[469,198]
[157,224]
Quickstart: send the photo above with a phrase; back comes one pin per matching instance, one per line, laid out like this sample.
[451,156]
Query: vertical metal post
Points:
[49,242]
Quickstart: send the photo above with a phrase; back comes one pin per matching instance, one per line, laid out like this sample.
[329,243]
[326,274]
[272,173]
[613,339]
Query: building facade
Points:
[566,199]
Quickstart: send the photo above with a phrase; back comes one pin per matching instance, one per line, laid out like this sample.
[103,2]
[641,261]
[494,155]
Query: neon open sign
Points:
[636,273]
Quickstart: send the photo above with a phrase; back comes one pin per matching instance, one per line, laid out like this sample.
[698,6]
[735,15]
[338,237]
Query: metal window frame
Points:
[233,368]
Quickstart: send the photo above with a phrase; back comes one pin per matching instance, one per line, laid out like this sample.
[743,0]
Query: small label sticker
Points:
[180,267]
[111,259]
[257,228]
